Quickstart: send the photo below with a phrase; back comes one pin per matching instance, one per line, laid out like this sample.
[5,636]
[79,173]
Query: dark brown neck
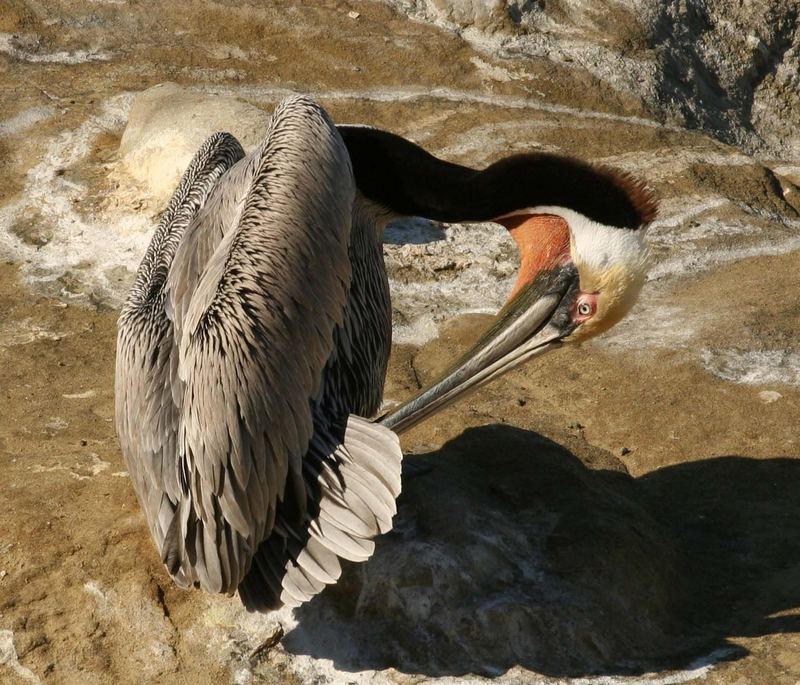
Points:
[406,179]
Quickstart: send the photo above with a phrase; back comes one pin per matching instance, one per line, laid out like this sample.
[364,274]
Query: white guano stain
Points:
[696,262]
[414,93]
[93,589]
[696,670]
[10,658]
[24,120]
[663,163]
[56,423]
[85,395]
[653,323]
[98,465]
[753,367]
[677,211]
[113,239]
[470,268]
[24,332]
[8,45]
[78,470]
[124,610]
[788,170]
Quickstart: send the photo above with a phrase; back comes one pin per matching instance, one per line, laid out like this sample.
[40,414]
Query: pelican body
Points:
[253,348]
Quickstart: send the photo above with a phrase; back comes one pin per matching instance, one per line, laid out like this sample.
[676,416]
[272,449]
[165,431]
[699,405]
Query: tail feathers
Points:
[355,483]
[203,555]
[169,536]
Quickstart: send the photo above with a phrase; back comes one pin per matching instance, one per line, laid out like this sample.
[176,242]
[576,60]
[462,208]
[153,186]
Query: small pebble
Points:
[769,396]
[354,14]
[79,395]
[521,401]
[623,451]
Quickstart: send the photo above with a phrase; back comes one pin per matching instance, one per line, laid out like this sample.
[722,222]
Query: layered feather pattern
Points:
[236,353]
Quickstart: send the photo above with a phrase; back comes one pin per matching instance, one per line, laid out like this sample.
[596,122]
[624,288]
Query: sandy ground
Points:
[666,452]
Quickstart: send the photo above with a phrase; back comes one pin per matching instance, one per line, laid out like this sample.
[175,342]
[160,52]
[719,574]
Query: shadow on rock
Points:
[512,552]
[413,231]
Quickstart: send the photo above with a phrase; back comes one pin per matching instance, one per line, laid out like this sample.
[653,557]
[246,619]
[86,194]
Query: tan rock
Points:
[168,124]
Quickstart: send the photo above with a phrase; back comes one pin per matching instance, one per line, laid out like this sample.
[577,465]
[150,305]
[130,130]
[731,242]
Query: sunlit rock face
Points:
[730,69]
[166,126]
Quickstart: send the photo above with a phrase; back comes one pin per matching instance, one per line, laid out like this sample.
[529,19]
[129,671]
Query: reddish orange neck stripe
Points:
[543,242]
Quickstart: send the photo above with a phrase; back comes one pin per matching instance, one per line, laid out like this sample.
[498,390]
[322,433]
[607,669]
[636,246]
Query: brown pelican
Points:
[253,347]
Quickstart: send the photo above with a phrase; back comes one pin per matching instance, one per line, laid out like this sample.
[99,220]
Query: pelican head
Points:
[578,228]
[577,278]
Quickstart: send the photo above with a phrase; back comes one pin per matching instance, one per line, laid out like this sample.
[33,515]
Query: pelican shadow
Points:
[514,552]
[413,231]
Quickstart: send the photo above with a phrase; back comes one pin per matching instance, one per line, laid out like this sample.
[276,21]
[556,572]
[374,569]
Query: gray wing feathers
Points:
[258,333]
[147,415]
[239,304]
[357,481]
[216,155]
[218,216]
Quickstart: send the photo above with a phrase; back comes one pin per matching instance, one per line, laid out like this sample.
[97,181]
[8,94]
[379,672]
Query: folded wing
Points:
[147,390]
[257,488]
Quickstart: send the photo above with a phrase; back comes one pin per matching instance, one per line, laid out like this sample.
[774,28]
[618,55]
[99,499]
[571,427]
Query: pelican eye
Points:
[585,307]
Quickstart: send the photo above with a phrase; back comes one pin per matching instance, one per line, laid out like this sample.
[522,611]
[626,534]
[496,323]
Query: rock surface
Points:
[622,513]
[483,573]
[167,125]
[729,70]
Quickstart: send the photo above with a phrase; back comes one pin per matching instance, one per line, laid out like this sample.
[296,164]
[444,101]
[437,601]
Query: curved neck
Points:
[406,179]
